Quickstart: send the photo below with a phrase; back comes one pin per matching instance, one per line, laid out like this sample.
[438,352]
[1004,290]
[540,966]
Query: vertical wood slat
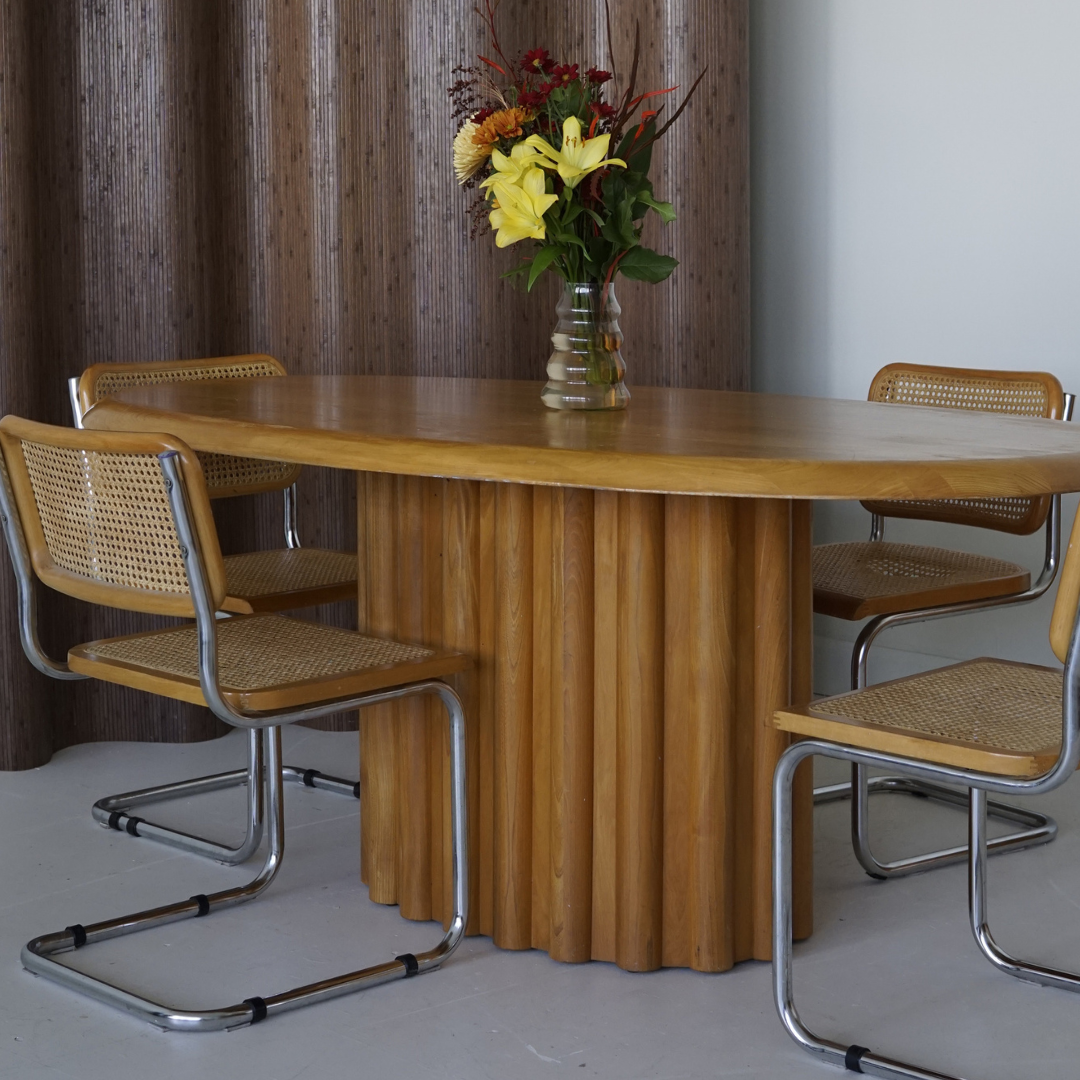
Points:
[605,722]
[571,731]
[412,717]
[513,729]
[640,720]
[379,765]
[700,719]
[802,691]
[543,618]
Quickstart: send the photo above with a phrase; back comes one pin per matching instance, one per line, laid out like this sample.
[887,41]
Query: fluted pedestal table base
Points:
[630,651]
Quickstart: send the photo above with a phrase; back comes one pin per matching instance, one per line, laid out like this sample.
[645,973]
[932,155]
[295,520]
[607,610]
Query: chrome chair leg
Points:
[854,1058]
[1038,828]
[977,905]
[115,811]
[39,954]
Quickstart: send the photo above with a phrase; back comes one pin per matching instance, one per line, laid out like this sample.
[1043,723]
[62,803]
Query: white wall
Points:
[916,196]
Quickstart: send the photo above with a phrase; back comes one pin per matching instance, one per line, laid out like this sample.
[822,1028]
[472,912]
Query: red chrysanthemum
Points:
[538,60]
[534,99]
[564,73]
[598,77]
[602,109]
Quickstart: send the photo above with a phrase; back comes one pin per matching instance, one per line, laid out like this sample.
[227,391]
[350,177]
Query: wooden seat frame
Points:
[196,546]
[1036,828]
[118,811]
[1065,638]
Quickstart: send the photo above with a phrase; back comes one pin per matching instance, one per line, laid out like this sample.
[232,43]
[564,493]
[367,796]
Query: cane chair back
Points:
[1016,393]
[96,516]
[225,475]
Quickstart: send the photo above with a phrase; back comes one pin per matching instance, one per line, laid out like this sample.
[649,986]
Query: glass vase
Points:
[586,370]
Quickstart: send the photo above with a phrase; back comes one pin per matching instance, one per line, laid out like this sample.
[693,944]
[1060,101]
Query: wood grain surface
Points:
[619,730]
[671,440]
[194,178]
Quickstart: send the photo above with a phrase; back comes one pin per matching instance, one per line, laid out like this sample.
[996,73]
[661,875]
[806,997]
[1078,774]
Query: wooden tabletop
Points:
[668,440]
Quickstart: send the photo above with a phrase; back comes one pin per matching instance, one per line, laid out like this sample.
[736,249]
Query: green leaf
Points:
[564,236]
[642,264]
[640,160]
[573,213]
[664,209]
[544,258]
[619,228]
[515,271]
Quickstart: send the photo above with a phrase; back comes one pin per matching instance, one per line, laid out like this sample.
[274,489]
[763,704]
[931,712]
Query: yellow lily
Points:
[509,170]
[578,156]
[519,210]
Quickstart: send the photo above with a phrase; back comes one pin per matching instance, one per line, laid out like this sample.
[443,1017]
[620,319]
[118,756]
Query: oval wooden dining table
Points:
[635,590]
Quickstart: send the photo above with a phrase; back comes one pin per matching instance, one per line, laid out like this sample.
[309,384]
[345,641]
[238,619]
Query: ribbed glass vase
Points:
[586,369]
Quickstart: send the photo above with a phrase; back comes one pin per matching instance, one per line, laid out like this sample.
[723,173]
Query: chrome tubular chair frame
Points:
[39,954]
[114,811]
[1038,828]
[854,1057]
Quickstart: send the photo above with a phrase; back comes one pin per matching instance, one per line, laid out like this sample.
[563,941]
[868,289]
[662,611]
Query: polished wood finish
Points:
[706,443]
[1068,596]
[1014,393]
[634,628]
[626,808]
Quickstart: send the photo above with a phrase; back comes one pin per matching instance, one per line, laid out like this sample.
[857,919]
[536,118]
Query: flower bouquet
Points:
[560,159]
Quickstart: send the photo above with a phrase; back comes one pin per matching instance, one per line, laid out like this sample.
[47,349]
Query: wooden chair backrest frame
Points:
[225,475]
[104,491]
[1015,393]
[1068,596]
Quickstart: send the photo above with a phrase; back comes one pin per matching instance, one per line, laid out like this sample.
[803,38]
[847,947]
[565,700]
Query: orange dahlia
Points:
[504,124]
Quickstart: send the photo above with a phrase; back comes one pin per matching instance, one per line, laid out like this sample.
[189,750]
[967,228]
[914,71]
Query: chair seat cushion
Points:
[288,578]
[857,580]
[995,716]
[265,662]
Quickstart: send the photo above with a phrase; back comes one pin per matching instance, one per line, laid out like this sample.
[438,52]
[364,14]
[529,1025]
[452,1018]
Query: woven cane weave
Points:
[224,474]
[860,572]
[260,652]
[1010,707]
[259,573]
[106,516]
[945,389]
[113,380]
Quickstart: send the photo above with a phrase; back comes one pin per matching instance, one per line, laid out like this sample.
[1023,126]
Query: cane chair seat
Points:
[265,662]
[855,580]
[288,578]
[994,716]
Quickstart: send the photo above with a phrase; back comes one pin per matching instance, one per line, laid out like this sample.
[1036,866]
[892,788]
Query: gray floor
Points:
[891,965]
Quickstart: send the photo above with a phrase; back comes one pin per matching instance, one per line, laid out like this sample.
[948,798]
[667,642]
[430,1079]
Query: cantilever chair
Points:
[124,520]
[990,725]
[258,581]
[894,584]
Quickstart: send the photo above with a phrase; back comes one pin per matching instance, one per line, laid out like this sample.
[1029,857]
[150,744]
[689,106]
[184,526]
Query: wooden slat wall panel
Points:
[203,177]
